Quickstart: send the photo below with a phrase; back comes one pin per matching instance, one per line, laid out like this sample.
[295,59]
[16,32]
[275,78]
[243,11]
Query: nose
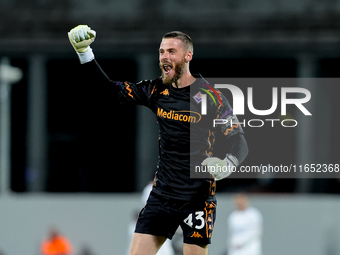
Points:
[164,56]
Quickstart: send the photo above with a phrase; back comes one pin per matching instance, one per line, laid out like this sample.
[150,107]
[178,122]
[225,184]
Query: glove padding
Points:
[219,168]
[81,37]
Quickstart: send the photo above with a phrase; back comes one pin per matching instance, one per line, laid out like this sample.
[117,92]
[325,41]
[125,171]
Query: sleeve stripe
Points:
[214,92]
[209,95]
[128,89]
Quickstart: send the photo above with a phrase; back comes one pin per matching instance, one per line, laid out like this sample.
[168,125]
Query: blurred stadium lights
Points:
[8,76]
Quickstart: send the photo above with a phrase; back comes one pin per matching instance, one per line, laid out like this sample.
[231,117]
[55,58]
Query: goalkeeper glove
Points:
[80,38]
[219,168]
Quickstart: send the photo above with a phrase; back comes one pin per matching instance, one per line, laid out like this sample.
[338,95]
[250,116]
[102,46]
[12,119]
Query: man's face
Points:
[241,202]
[171,60]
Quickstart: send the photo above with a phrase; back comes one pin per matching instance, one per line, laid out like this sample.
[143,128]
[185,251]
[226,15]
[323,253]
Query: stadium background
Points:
[69,141]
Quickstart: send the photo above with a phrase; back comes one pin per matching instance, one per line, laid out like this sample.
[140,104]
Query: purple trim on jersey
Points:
[226,113]
[145,92]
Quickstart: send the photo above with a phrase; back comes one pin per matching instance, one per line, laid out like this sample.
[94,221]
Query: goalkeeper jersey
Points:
[186,136]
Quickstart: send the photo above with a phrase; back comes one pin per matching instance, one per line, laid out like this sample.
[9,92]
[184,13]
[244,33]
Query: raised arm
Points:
[136,93]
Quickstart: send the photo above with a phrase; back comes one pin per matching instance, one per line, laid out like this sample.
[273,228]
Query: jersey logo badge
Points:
[196,235]
[165,92]
[198,97]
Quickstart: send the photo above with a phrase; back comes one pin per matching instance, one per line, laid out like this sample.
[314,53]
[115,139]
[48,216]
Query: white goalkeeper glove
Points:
[80,38]
[219,168]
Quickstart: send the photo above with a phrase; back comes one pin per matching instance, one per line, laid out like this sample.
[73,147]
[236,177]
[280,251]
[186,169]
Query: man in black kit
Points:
[180,196]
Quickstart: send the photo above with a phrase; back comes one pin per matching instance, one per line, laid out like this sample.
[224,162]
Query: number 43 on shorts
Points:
[198,216]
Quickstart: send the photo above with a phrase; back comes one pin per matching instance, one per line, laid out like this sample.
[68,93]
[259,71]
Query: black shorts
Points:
[162,216]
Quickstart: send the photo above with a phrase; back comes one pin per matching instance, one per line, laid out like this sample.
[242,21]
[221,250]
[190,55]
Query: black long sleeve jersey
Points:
[186,136]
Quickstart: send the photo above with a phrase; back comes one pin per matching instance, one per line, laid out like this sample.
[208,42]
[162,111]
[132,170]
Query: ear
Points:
[188,56]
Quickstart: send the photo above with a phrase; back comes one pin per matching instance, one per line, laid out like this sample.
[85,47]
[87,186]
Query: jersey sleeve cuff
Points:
[86,56]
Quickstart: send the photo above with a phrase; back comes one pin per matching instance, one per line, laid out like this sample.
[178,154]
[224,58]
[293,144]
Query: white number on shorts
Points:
[188,220]
[199,216]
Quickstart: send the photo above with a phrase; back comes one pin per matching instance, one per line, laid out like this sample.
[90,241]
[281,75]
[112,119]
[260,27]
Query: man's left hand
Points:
[219,168]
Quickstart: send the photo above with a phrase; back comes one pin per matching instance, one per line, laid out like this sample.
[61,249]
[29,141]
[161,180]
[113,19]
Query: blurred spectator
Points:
[56,244]
[244,228]
[86,250]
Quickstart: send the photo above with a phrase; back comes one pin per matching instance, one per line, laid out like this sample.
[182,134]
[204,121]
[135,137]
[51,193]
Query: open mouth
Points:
[167,68]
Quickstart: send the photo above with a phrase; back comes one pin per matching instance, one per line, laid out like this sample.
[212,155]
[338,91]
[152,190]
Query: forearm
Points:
[239,147]
[99,70]
[80,38]
[123,92]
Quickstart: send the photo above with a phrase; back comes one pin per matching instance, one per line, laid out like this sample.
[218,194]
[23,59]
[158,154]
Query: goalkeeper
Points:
[186,139]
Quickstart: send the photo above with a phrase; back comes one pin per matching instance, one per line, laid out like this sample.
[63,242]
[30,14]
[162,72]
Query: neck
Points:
[185,80]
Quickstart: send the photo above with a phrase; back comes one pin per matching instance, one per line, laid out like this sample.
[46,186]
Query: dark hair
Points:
[186,40]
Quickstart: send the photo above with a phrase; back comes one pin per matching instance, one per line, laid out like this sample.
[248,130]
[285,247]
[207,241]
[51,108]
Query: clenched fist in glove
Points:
[80,38]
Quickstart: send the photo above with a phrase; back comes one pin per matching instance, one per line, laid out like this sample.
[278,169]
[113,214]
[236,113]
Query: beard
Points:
[179,70]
